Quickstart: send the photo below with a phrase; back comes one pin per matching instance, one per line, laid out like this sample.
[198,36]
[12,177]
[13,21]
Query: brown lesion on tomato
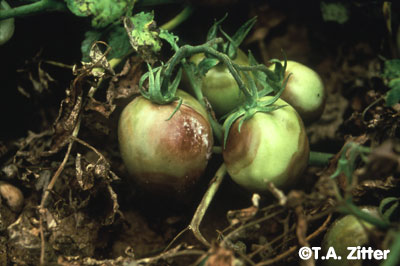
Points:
[299,160]
[241,146]
[191,137]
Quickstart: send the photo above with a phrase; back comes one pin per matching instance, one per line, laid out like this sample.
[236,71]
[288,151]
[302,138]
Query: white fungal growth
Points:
[191,124]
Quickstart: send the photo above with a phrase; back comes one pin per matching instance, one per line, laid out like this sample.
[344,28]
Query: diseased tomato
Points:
[270,147]
[304,91]
[219,86]
[165,155]
[347,231]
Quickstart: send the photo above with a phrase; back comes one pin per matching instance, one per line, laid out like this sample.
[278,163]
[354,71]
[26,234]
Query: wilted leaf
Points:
[103,12]
[143,34]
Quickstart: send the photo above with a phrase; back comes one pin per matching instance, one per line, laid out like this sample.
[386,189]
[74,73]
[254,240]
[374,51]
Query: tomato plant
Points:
[304,90]
[165,154]
[270,147]
[7,25]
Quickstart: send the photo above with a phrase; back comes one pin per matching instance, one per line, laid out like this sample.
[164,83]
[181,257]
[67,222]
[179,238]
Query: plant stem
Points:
[178,19]
[394,257]
[147,3]
[205,202]
[319,158]
[350,208]
[34,8]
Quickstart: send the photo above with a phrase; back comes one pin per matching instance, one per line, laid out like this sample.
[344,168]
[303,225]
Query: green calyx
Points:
[254,102]
[228,47]
[157,93]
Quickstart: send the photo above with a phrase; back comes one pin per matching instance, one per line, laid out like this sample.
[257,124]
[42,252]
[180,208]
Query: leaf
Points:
[115,36]
[206,64]
[103,12]
[170,38]
[143,35]
[91,37]
[239,36]
[391,69]
[393,96]
[388,207]
[335,11]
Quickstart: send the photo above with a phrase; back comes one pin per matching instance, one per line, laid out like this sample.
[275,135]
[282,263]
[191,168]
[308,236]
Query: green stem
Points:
[34,8]
[188,50]
[394,257]
[319,158]
[178,19]
[147,3]
[350,208]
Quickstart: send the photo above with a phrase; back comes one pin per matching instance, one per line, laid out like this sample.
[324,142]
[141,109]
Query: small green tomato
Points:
[166,156]
[270,147]
[219,86]
[304,91]
[347,231]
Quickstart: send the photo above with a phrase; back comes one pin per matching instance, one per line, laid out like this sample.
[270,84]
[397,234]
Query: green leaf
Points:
[391,69]
[206,64]
[115,36]
[239,36]
[103,12]
[212,32]
[170,38]
[334,11]
[119,42]
[91,36]
[388,207]
[143,35]
[393,96]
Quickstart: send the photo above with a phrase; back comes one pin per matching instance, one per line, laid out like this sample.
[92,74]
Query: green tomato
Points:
[347,231]
[304,91]
[165,155]
[219,86]
[270,147]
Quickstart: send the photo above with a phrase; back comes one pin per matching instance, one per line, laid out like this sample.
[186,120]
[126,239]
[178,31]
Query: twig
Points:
[50,187]
[294,248]
[205,203]
[237,230]
[170,254]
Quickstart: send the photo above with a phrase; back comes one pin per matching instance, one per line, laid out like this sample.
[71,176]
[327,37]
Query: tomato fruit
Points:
[219,86]
[165,155]
[270,147]
[304,91]
[347,231]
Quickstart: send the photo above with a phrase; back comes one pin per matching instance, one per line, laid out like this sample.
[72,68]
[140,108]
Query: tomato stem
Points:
[178,19]
[350,208]
[319,158]
[34,8]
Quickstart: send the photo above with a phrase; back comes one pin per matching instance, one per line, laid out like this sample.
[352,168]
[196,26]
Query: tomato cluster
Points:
[166,144]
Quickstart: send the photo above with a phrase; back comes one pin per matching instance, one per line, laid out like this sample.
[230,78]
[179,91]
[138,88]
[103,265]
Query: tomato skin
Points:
[165,156]
[270,147]
[304,91]
[219,86]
